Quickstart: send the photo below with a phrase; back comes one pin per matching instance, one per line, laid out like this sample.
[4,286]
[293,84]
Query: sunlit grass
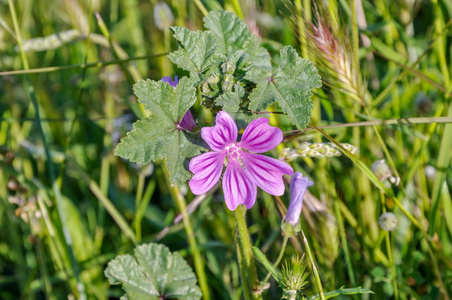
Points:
[68,205]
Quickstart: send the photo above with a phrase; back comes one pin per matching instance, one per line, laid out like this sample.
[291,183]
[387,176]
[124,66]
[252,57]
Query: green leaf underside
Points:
[232,34]
[342,291]
[290,85]
[153,273]
[231,103]
[197,50]
[157,136]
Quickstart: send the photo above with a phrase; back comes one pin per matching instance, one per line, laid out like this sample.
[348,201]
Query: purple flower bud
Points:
[298,187]
[170,80]
[187,122]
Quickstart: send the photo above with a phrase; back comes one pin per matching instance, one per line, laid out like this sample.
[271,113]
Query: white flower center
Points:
[233,153]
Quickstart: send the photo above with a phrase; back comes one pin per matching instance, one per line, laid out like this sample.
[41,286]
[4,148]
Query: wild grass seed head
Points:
[328,45]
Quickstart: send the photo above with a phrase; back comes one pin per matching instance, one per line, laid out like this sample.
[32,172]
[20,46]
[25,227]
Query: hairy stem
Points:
[248,269]
[313,266]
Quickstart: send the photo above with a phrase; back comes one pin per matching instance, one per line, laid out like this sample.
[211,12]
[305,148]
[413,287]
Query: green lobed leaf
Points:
[290,85]
[197,49]
[258,56]
[342,291]
[232,34]
[159,136]
[153,273]
[231,103]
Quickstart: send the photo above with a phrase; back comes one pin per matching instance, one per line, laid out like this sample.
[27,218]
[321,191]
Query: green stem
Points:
[278,260]
[340,222]
[442,166]
[314,268]
[201,7]
[105,201]
[56,189]
[197,258]
[238,9]
[389,250]
[248,269]
[355,37]
[138,198]
[80,66]
[44,271]
[243,270]
[402,121]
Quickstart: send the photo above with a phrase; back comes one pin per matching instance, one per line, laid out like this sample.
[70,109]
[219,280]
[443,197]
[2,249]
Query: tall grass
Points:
[68,205]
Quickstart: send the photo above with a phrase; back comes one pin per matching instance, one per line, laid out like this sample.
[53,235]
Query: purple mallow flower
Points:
[244,170]
[298,187]
[187,122]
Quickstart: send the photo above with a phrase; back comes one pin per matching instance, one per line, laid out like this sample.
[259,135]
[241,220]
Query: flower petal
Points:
[207,168]
[170,80]
[222,134]
[260,137]
[238,187]
[267,172]
[188,122]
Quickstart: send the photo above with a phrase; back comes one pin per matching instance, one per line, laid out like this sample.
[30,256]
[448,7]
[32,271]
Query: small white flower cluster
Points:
[50,42]
[317,150]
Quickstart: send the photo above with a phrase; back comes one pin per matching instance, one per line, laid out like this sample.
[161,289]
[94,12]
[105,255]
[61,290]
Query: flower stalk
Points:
[246,256]
[198,261]
[314,268]
[278,260]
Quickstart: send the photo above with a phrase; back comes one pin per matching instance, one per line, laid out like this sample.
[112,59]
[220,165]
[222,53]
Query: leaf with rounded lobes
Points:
[231,103]
[159,135]
[153,273]
[232,34]
[258,56]
[197,50]
[290,85]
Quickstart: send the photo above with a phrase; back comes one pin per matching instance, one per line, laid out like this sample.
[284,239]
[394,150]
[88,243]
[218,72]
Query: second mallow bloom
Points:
[298,187]
[245,170]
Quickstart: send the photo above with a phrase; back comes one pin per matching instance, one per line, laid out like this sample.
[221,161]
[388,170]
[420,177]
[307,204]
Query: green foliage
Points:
[245,62]
[290,85]
[232,35]
[264,261]
[159,135]
[197,50]
[153,273]
[342,291]
[231,103]
[223,63]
